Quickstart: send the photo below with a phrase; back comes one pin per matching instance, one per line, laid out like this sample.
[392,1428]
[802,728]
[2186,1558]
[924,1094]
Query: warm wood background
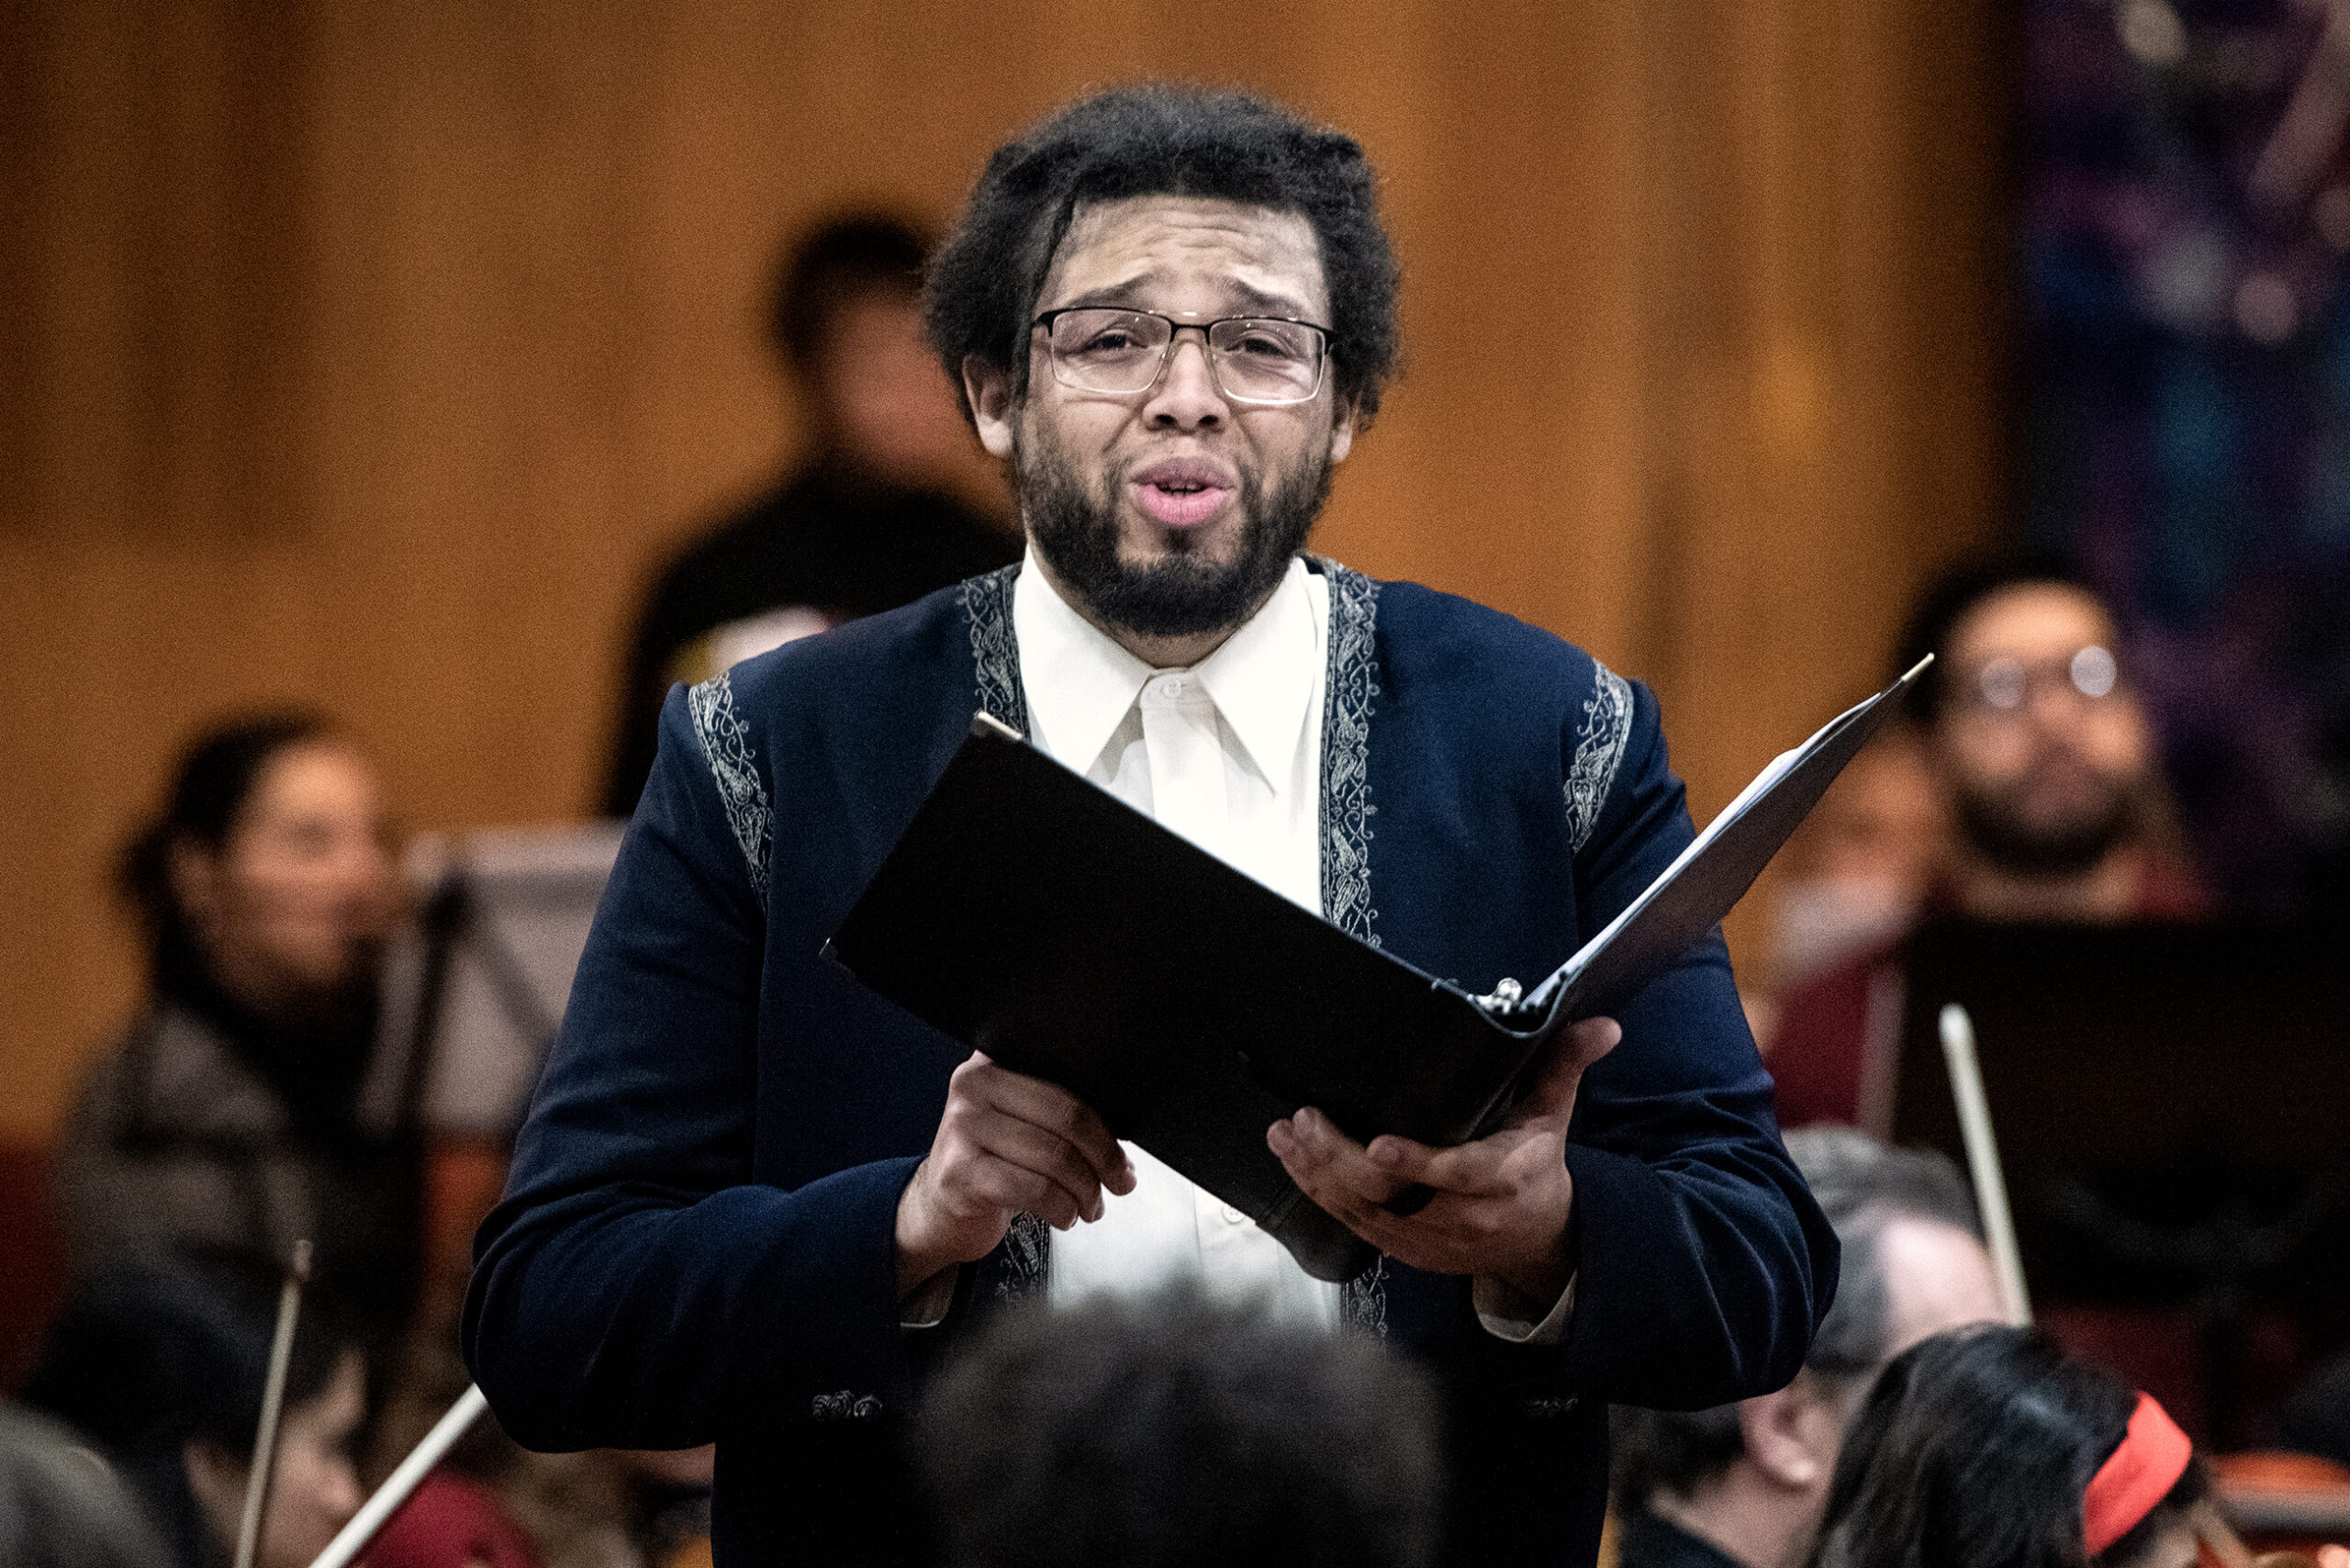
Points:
[369,353]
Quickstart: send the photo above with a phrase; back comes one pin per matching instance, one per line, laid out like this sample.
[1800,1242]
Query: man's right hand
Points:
[1007,1144]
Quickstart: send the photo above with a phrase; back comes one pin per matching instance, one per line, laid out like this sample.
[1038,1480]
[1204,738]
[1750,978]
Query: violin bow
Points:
[273,1407]
[1982,1162]
[355,1536]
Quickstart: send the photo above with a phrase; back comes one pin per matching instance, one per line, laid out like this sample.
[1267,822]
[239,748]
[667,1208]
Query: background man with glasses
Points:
[2057,813]
[754,1204]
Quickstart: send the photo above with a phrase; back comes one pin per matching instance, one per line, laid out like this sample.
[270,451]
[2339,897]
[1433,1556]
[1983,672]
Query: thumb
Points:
[1551,1096]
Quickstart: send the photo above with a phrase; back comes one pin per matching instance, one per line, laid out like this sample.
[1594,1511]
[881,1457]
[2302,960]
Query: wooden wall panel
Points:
[370,355]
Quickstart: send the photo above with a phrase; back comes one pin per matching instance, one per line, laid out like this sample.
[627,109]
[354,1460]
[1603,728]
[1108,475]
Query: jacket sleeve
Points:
[1703,1266]
[636,1288]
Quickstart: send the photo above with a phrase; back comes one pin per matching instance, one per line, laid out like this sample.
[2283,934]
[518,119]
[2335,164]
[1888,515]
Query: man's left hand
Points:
[1501,1204]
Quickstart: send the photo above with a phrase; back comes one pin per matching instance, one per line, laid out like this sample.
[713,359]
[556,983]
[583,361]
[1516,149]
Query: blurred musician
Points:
[1989,1447]
[62,1507]
[867,521]
[247,1107]
[1742,1485]
[2058,813]
[162,1371]
[755,1203]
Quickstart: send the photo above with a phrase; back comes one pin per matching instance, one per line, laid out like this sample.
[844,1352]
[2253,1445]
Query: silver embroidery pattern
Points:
[1362,1301]
[1027,1255]
[846,1406]
[1599,751]
[995,660]
[1346,809]
[726,745]
[995,647]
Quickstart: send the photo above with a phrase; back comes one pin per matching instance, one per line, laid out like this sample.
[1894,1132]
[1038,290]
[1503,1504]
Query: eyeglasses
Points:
[2007,685]
[1254,359]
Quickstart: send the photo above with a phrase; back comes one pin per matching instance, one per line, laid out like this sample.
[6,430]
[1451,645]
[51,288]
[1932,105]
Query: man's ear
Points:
[1342,431]
[1792,1435]
[988,387]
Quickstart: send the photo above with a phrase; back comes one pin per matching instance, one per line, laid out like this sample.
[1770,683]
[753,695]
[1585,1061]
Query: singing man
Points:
[754,1202]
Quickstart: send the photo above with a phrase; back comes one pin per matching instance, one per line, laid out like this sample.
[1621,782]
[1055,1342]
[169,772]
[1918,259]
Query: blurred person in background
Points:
[246,1107]
[2058,813]
[1742,1485]
[162,1371]
[867,521]
[63,1506]
[1174,1432]
[1989,1447]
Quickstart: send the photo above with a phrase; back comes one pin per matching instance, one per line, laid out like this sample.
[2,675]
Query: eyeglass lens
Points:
[2005,685]
[1123,350]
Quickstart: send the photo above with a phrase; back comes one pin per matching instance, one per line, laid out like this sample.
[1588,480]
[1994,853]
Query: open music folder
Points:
[1031,913]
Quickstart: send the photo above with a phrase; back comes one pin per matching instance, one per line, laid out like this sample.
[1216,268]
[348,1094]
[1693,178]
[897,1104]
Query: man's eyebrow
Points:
[1122,293]
[1266,304]
[1127,291]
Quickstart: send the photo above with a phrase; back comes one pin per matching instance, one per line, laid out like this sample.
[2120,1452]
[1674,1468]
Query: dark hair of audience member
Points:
[144,1361]
[1165,140]
[62,1505]
[1950,598]
[1974,1450]
[1861,1185]
[837,262]
[1176,1432]
[214,783]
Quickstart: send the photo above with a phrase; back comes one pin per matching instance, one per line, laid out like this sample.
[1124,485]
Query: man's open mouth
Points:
[1182,492]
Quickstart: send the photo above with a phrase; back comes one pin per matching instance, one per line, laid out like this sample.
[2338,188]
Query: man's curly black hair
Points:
[1159,140]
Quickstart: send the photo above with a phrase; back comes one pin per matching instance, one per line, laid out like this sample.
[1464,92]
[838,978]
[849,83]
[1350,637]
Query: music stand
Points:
[2173,1111]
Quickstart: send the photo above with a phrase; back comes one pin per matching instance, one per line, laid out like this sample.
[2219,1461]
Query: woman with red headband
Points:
[1988,1448]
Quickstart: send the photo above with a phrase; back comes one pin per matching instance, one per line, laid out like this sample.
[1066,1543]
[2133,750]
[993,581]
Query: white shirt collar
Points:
[1080,684]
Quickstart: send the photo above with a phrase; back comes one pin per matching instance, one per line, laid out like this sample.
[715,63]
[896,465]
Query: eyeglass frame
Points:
[2060,675]
[1208,351]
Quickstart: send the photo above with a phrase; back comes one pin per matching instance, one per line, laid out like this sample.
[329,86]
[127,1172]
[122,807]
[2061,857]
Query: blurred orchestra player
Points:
[1743,1485]
[755,1203]
[1175,1431]
[2056,810]
[247,1107]
[63,1506]
[162,1369]
[1989,1447]
[870,519]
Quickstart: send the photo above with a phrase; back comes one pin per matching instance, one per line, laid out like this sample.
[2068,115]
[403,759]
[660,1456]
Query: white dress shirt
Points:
[1228,752]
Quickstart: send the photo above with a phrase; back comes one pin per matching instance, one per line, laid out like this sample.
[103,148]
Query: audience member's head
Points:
[1177,1433]
[1751,1478]
[162,1371]
[1986,1448]
[845,319]
[2037,735]
[267,879]
[62,1504]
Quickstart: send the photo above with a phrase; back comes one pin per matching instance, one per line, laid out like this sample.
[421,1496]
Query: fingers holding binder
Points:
[1500,1205]
[1006,1144]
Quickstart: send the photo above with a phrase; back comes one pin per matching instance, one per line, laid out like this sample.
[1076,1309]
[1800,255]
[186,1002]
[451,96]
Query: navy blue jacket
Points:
[696,1242]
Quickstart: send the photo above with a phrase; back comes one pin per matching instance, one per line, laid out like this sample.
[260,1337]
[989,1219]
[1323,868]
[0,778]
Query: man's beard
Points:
[2070,847]
[1182,595]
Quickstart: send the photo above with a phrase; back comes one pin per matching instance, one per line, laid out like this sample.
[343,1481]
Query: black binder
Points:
[1031,913]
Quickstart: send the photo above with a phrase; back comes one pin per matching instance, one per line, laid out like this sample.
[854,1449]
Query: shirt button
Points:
[1233,1215]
